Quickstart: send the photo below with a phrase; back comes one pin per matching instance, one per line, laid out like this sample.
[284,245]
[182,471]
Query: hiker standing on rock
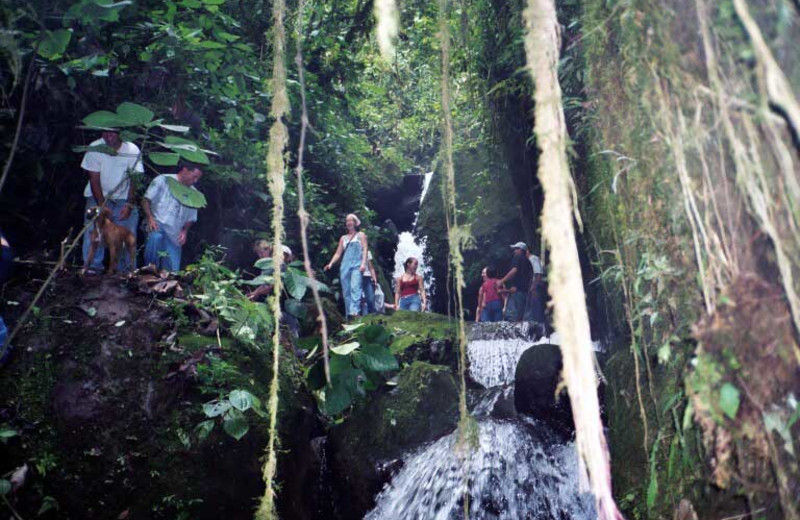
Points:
[518,279]
[352,249]
[168,220]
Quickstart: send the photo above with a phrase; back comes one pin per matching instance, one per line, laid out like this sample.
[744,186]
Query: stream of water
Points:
[519,468]
[408,244]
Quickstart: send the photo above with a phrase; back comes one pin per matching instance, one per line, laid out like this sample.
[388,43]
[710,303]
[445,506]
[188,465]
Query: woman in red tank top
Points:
[490,300]
[410,288]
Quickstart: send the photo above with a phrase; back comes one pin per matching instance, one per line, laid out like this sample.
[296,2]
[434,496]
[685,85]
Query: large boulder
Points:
[366,448]
[535,382]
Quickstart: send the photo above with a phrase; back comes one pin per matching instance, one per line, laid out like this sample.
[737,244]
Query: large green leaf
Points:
[296,285]
[186,195]
[236,427]
[344,388]
[105,119]
[216,408]
[54,43]
[337,399]
[346,348]
[187,149]
[136,114]
[241,399]
[164,158]
[376,358]
[375,334]
[102,148]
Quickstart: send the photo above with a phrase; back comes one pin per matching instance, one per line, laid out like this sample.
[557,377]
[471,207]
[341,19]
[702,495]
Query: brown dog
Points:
[112,235]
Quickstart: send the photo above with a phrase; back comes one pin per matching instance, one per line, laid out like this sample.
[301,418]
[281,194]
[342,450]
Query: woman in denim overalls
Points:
[353,252]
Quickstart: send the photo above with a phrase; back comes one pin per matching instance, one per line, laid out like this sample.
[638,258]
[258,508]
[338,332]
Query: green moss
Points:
[414,328]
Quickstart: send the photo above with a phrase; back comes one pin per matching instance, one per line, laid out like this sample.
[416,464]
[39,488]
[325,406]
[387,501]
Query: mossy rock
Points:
[421,408]
[420,336]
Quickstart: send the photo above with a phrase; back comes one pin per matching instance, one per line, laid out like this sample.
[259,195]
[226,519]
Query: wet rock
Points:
[535,383]
[365,448]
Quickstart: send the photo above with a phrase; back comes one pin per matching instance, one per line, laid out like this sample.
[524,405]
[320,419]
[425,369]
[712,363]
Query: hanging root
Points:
[301,211]
[278,138]
[457,238]
[566,281]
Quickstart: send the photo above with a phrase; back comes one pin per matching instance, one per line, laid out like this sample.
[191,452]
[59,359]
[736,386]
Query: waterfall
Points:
[408,244]
[519,469]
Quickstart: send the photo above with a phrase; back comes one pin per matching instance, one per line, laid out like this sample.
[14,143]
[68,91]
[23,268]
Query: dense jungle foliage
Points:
[685,167]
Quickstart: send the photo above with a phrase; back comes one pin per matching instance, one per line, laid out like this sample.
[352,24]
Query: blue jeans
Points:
[131,223]
[534,306]
[352,281]
[162,252]
[410,303]
[492,311]
[368,305]
[515,310]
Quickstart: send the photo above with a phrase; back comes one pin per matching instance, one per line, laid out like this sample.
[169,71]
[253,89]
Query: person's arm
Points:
[372,272]
[152,225]
[336,256]
[128,208]
[421,285]
[362,238]
[397,290]
[480,305]
[508,276]
[96,187]
[184,232]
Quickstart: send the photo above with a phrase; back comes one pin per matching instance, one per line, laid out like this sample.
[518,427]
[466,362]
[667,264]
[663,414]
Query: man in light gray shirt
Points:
[168,220]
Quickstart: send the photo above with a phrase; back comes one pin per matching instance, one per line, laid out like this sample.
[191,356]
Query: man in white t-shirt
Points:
[536,295]
[168,220]
[110,183]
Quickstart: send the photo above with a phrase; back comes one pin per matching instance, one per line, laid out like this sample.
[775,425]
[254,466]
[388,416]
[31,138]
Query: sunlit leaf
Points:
[345,348]
[164,158]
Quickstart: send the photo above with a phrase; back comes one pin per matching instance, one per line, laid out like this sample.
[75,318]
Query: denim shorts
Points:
[410,303]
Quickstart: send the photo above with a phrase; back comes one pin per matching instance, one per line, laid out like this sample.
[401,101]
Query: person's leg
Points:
[173,258]
[96,263]
[356,289]
[516,306]
[152,247]
[344,278]
[529,306]
[369,296]
[494,311]
[414,304]
[486,314]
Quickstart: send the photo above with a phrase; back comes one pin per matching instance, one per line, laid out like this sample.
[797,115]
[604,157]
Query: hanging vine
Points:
[542,44]
[301,211]
[278,138]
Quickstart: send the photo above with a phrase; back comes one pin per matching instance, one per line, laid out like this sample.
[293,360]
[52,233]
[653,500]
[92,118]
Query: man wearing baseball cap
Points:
[518,280]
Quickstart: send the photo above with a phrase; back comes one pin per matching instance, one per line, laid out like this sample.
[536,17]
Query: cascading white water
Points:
[409,245]
[519,468]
